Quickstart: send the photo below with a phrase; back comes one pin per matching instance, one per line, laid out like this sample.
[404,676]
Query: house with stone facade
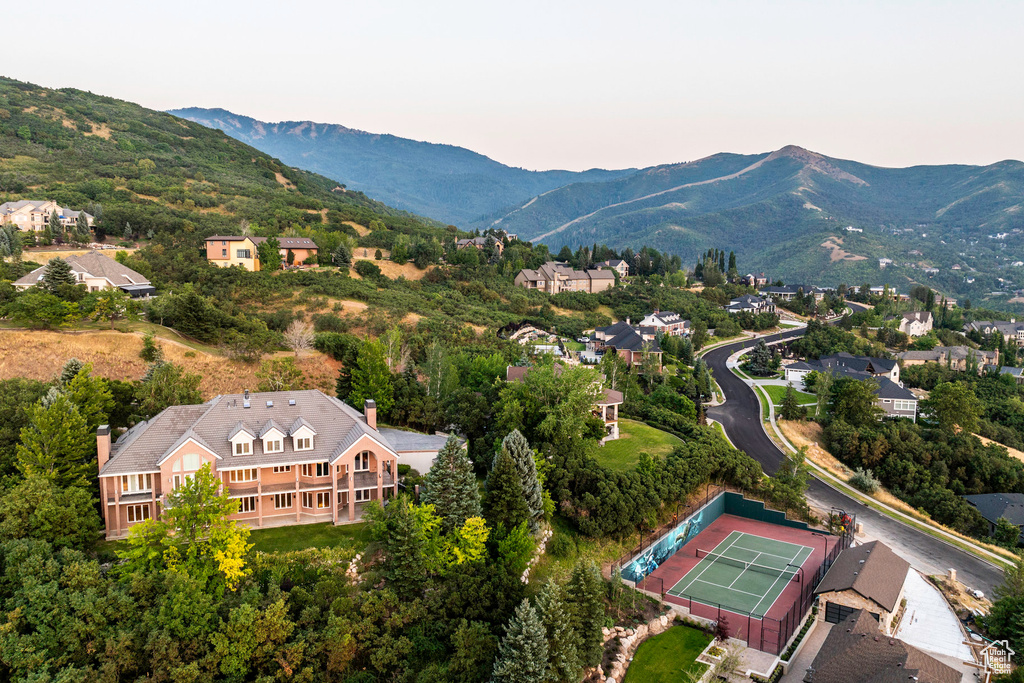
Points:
[289,457]
[956,357]
[868,577]
[890,394]
[553,277]
[629,342]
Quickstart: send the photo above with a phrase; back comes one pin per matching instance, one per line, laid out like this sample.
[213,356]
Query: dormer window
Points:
[273,445]
[302,434]
[243,447]
[303,443]
[241,440]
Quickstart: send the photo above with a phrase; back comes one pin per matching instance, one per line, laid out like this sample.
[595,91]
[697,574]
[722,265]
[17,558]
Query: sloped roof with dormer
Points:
[92,264]
[337,427]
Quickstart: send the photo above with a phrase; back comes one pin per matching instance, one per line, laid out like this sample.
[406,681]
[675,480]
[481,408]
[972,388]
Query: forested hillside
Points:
[445,182]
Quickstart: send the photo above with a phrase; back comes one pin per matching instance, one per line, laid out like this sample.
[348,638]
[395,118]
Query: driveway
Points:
[740,416]
[929,623]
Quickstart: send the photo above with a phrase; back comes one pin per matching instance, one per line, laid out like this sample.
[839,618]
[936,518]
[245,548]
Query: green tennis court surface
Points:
[744,572]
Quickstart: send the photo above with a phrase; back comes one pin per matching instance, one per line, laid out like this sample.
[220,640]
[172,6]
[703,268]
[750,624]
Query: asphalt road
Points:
[740,416]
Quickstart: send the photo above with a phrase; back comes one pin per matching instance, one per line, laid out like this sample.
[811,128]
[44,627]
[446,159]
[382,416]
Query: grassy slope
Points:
[634,438]
[285,539]
[778,393]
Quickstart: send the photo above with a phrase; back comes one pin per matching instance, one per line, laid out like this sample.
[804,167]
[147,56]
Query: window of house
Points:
[282,501]
[247,504]
[362,463]
[223,243]
[307,470]
[273,446]
[282,468]
[135,483]
[137,513]
[323,469]
[243,475]
[243,448]
[904,405]
[342,469]
[362,495]
[304,443]
[224,253]
[323,500]
[307,500]
[243,253]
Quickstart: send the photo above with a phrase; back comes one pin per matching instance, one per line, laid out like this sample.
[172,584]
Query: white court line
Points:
[710,564]
[734,590]
[761,552]
[745,569]
[772,587]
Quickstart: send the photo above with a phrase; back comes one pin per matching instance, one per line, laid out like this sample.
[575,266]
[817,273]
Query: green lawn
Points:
[574,346]
[286,538]
[634,438]
[778,393]
[670,656]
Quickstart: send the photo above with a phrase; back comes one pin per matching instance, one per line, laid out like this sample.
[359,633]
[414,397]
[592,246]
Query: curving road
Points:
[740,415]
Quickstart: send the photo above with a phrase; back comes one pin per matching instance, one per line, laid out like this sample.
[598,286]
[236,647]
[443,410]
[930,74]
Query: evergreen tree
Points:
[451,487]
[586,595]
[269,254]
[503,499]
[564,665]
[402,531]
[82,227]
[342,256]
[57,275]
[733,272]
[56,444]
[760,361]
[523,652]
[371,378]
[56,229]
[791,409]
[72,366]
[519,450]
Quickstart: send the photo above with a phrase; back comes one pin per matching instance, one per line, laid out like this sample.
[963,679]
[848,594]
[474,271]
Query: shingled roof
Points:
[337,427]
[872,570]
[95,265]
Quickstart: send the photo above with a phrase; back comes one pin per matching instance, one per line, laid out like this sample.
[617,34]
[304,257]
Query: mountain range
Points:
[444,182]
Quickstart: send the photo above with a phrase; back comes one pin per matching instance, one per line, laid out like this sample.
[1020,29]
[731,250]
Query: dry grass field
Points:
[115,355]
[43,255]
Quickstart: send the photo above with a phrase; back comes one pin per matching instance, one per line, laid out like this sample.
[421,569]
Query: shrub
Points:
[561,546]
[864,480]
[367,269]
[328,322]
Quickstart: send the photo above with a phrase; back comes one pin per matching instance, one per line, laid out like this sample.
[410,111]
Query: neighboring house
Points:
[994,506]
[241,250]
[751,280]
[954,356]
[555,277]
[289,457]
[97,272]
[616,264]
[891,397]
[749,303]
[630,343]
[33,215]
[606,407]
[853,652]
[664,322]
[480,243]
[867,577]
[1012,331]
[789,292]
[916,323]
[1016,373]
[414,449]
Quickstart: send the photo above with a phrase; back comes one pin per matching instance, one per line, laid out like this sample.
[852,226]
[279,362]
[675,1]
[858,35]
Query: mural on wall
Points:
[669,544]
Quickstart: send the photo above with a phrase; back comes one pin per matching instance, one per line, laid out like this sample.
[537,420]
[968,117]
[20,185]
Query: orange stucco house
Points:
[290,457]
[240,250]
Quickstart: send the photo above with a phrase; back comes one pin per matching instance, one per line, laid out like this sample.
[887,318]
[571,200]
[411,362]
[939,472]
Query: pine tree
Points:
[518,448]
[82,227]
[586,595]
[451,487]
[564,665]
[56,275]
[342,256]
[523,652]
[503,500]
[56,443]
[371,378]
[791,410]
[56,229]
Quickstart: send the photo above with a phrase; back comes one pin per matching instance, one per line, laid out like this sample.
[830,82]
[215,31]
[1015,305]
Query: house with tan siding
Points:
[96,272]
[241,250]
[289,457]
[33,215]
[553,277]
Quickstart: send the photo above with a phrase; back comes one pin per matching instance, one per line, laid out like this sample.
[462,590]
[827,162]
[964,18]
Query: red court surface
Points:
[784,615]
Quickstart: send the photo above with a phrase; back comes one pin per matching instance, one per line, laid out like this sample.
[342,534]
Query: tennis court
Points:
[744,572]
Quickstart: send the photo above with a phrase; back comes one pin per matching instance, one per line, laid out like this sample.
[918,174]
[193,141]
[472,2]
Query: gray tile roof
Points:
[404,442]
[872,569]
[96,265]
[337,426]
[992,506]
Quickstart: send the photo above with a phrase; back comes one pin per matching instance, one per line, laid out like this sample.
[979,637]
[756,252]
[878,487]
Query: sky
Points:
[567,84]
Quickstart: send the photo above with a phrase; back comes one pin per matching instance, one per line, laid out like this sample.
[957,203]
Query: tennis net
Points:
[750,566]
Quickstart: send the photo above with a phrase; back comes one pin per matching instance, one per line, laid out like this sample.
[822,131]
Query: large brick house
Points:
[289,457]
[33,215]
[553,277]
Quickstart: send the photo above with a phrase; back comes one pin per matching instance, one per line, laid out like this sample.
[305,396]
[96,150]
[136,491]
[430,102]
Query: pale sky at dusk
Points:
[569,84]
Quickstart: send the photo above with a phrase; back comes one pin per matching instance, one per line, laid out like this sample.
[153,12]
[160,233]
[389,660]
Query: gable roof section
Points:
[992,506]
[336,424]
[855,652]
[93,264]
[872,570]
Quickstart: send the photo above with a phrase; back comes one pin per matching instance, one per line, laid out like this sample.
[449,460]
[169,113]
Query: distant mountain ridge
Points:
[444,182]
[785,212]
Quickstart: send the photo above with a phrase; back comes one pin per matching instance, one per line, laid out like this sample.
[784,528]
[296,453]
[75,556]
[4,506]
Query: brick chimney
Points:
[370,413]
[102,446]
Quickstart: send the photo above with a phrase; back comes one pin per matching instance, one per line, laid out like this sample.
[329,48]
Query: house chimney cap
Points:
[103,430]
[369,403]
